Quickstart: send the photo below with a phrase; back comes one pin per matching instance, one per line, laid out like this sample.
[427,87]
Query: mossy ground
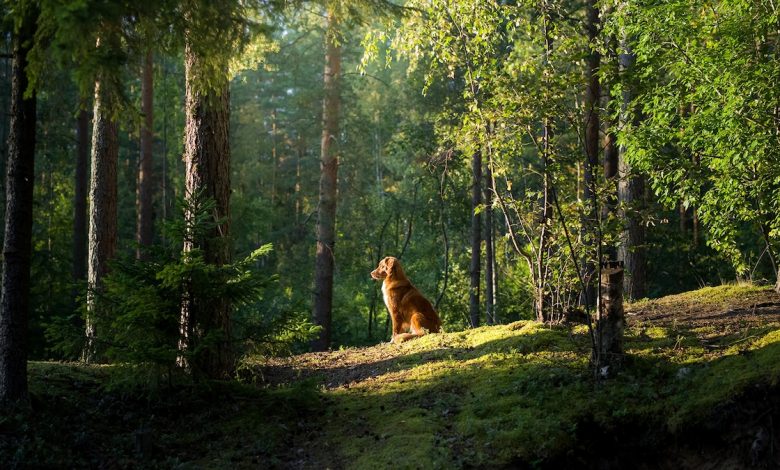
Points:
[518,395]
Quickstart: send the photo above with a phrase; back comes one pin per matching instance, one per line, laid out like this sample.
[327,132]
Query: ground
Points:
[698,390]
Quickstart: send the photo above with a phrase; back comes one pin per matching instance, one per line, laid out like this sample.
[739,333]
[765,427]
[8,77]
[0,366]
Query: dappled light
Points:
[366,234]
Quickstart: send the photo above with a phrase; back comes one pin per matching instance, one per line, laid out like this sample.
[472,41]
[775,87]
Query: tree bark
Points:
[610,148]
[491,278]
[103,206]
[592,143]
[610,176]
[326,220]
[631,197]
[207,176]
[476,237]
[611,320]
[145,194]
[541,298]
[695,214]
[17,245]
[81,186]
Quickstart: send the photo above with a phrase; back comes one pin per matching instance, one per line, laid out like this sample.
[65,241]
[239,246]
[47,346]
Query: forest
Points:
[199,199]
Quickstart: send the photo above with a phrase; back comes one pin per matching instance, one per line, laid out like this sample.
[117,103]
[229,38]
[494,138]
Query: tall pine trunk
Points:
[144,196]
[17,245]
[631,196]
[207,175]
[81,186]
[326,220]
[476,237]
[103,206]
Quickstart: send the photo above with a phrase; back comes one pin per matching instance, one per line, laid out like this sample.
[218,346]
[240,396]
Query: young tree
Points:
[476,236]
[17,245]
[326,220]
[491,276]
[592,149]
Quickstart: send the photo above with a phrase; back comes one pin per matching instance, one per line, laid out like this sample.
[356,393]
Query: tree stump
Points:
[611,320]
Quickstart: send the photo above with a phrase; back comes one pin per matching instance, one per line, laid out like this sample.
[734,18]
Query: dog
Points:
[411,313]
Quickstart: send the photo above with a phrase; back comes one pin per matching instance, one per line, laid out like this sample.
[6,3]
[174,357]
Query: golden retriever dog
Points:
[412,314]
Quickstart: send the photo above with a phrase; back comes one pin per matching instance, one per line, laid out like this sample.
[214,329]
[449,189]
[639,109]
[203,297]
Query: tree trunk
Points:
[476,237]
[207,176]
[300,154]
[103,206]
[610,125]
[490,252]
[80,198]
[326,220]
[611,320]
[631,197]
[610,176]
[695,214]
[17,245]
[144,196]
[541,304]
[632,247]
[592,129]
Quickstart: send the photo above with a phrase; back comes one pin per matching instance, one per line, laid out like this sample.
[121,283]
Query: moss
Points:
[706,296]
[488,397]
[520,392]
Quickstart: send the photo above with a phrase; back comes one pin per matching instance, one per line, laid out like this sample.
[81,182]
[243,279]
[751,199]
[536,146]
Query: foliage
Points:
[708,137]
[447,79]
[140,306]
[514,83]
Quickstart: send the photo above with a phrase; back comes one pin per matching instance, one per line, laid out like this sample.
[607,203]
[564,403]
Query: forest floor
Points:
[698,390]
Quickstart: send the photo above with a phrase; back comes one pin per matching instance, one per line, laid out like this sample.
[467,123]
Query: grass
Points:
[513,395]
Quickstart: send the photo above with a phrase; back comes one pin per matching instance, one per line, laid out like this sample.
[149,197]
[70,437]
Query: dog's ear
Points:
[391,266]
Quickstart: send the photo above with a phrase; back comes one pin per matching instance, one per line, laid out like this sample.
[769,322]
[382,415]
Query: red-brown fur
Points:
[412,314]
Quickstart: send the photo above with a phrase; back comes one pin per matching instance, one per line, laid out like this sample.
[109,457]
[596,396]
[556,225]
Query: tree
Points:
[706,85]
[326,219]
[476,236]
[630,195]
[491,276]
[102,192]
[145,219]
[205,325]
[592,126]
[17,245]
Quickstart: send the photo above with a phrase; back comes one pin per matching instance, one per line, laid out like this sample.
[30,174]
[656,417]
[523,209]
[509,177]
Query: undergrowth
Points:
[513,395]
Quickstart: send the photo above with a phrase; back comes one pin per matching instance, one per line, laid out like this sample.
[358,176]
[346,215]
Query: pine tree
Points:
[326,221]
[17,246]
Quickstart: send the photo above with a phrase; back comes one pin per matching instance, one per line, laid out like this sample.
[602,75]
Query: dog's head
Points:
[388,267]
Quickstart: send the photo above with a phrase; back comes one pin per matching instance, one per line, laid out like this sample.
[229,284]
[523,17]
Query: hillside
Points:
[699,387]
